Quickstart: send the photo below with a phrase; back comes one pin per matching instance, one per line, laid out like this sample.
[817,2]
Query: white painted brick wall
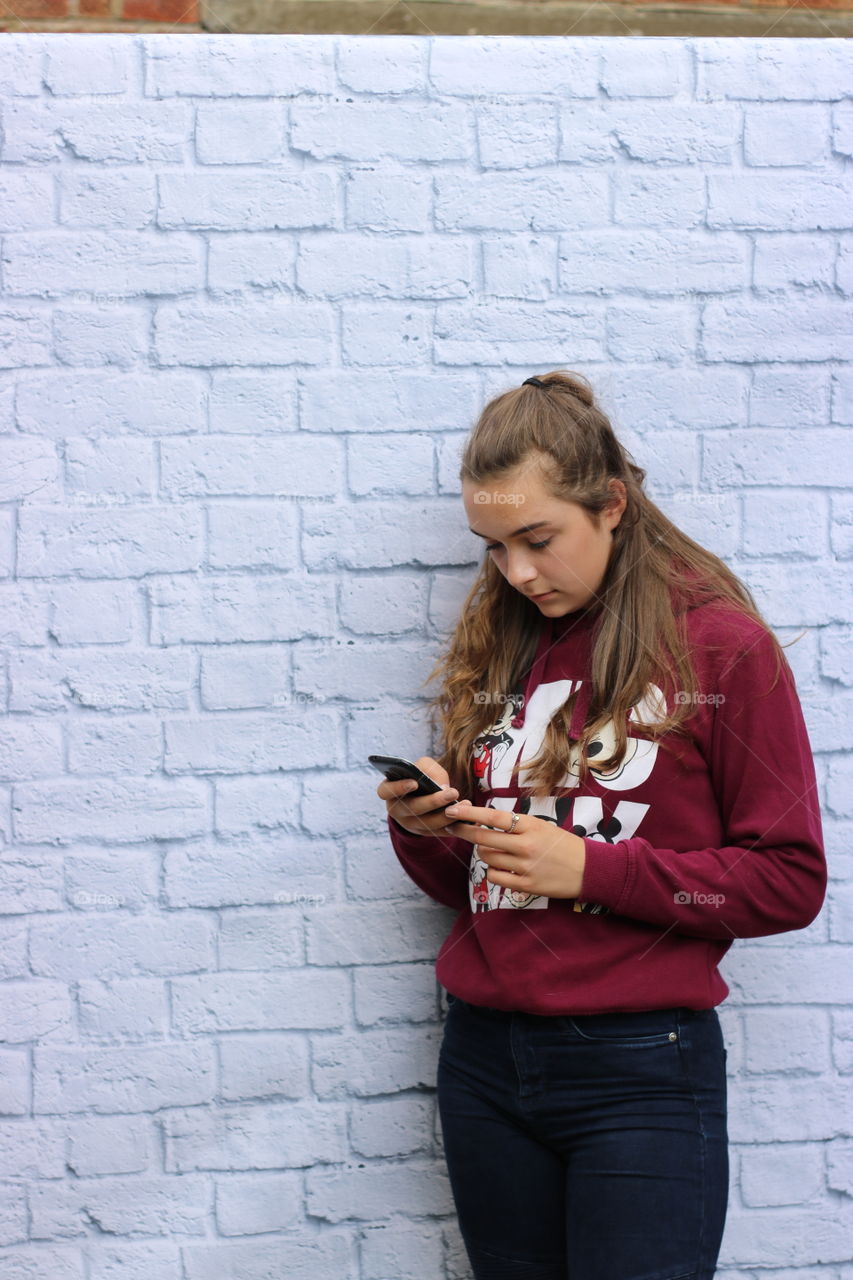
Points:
[253,292]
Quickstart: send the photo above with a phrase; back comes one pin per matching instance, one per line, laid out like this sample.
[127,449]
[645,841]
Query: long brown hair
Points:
[655,573]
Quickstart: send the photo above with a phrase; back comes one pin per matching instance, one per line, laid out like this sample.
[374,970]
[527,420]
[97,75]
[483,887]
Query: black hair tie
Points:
[537,382]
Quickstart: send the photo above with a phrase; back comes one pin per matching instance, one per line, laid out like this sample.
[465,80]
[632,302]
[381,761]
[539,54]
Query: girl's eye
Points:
[491,547]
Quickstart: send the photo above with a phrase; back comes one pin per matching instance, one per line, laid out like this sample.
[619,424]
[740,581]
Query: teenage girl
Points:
[639,792]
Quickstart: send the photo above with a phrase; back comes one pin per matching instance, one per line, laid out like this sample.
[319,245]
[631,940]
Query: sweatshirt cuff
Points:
[410,842]
[605,873]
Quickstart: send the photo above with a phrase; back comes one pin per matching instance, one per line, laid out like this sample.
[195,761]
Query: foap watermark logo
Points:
[482,496]
[103,901]
[286,898]
[285,699]
[486,695]
[709,699]
[684,899]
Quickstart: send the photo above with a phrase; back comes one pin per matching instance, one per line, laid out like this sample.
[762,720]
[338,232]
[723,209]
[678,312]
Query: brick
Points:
[137,1078]
[659,198]
[21,66]
[247,743]
[253,1204]
[664,69]
[102,334]
[372,934]
[367,1063]
[43,1262]
[116,944]
[239,132]
[125,1206]
[111,1144]
[13,1215]
[387,197]
[14,1083]
[108,543]
[407,1252]
[101,880]
[771,456]
[122,1010]
[370,1191]
[783,1174]
[777,202]
[29,748]
[32,1148]
[779,396]
[264,1065]
[776,976]
[105,69]
[131,744]
[223,608]
[30,469]
[783,260]
[785,134]
[506,65]
[792,523]
[99,680]
[259,869]
[26,200]
[298,1257]
[109,133]
[32,1010]
[394,993]
[24,336]
[125,199]
[242,261]
[299,999]
[269,938]
[30,882]
[769,69]
[238,201]
[283,1135]
[23,615]
[59,404]
[651,261]
[785,1040]
[134,1261]
[270,465]
[234,66]
[244,333]
[392,1127]
[238,676]
[547,202]
[106,264]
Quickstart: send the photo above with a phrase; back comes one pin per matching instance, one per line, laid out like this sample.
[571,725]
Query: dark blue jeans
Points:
[591,1147]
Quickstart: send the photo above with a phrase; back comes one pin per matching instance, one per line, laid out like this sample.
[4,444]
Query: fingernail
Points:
[452,809]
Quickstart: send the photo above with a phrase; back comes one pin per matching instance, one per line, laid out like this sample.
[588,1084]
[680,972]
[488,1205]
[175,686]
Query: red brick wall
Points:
[183,15]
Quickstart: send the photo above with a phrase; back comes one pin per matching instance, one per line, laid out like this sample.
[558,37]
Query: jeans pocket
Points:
[644,1029]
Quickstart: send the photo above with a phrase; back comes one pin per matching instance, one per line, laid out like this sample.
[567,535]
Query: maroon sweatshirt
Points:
[687,848]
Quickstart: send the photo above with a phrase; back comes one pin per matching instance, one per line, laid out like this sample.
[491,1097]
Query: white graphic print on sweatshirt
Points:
[501,746]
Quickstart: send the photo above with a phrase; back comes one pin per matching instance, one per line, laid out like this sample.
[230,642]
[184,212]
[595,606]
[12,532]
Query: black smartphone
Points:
[395,768]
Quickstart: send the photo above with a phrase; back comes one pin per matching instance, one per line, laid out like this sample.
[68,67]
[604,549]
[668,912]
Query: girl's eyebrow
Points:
[525,528]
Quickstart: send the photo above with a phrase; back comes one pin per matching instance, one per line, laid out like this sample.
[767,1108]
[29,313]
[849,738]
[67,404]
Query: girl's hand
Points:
[422,815]
[539,857]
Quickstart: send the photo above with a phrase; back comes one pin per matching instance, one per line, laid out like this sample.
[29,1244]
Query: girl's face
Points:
[566,556]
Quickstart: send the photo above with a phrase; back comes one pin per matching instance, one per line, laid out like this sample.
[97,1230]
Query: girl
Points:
[628,731]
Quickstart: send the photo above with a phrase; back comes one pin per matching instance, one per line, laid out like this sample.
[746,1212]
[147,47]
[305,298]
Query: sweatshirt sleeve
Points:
[437,864]
[771,875]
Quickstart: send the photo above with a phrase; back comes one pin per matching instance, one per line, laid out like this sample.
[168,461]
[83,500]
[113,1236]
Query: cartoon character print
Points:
[585,814]
[489,747]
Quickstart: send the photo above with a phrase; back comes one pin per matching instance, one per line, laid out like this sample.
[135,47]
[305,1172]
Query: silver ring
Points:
[513,824]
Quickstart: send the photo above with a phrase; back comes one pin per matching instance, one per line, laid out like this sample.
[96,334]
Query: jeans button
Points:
[673,1035]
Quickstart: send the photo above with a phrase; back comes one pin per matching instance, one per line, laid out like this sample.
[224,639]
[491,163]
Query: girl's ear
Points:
[617,504]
